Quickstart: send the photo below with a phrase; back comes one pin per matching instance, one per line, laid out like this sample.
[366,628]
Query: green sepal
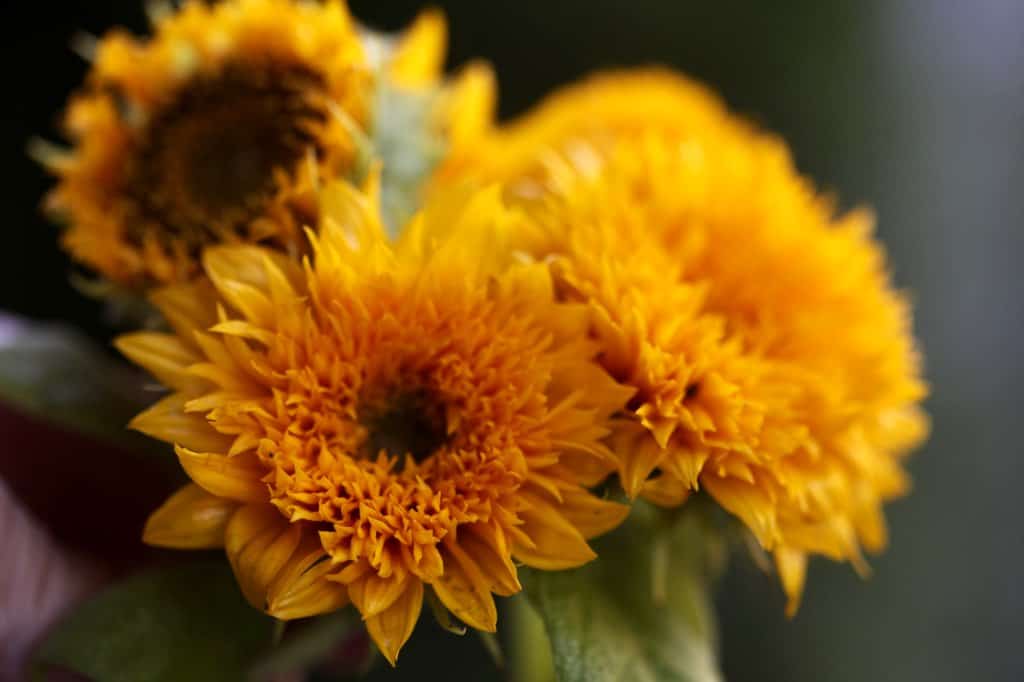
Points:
[642,610]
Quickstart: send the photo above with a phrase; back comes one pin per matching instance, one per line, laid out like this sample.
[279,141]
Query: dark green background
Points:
[916,108]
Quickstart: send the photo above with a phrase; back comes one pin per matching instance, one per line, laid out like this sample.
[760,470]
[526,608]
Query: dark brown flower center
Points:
[409,424]
[211,160]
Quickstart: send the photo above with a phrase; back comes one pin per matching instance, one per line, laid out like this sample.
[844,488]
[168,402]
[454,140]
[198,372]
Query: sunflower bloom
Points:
[774,365]
[382,420]
[219,127]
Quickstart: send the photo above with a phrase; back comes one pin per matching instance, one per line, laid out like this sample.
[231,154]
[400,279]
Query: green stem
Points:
[529,651]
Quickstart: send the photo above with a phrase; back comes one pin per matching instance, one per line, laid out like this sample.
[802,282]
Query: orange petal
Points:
[302,589]
[260,543]
[236,478]
[465,590]
[190,519]
[392,628]
[168,421]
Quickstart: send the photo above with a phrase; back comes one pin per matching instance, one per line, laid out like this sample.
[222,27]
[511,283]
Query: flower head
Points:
[382,420]
[773,364]
[219,127]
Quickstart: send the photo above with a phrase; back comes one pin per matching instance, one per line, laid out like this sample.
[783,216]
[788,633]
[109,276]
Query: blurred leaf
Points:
[61,376]
[617,619]
[337,639]
[187,622]
[407,142]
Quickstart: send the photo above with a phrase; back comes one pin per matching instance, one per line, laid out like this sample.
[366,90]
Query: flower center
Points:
[212,159]
[408,424]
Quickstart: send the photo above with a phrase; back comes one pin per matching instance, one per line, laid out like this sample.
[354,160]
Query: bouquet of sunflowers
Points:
[406,356]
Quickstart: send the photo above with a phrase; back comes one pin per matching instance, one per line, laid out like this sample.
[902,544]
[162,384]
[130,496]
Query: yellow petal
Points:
[162,355]
[639,454]
[188,308]
[792,567]
[465,590]
[591,515]
[190,519]
[496,564]
[556,542]
[373,595]
[419,56]
[391,629]
[236,478]
[168,421]
[749,502]
[259,543]
[302,589]
[468,104]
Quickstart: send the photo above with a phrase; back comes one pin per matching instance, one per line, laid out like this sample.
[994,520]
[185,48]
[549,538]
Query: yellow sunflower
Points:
[773,363]
[382,419]
[218,128]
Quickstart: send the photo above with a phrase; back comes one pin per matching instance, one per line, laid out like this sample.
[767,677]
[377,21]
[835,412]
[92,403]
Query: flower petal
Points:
[392,628]
[236,478]
[591,515]
[496,563]
[465,590]
[162,355]
[557,544]
[260,543]
[168,421]
[302,589]
[792,567]
[373,595]
[190,519]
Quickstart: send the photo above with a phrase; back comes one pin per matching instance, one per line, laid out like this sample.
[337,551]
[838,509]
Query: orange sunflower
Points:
[219,127]
[774,365]
[381,420]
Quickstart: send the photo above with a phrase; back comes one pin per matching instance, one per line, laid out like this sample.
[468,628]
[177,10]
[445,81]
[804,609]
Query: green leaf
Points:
[187,622]
[641,611]
[57,374]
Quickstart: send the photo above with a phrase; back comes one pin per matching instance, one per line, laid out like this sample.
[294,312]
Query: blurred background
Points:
[915,108]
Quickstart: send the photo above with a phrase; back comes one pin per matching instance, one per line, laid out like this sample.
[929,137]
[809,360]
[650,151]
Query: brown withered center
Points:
[207,162]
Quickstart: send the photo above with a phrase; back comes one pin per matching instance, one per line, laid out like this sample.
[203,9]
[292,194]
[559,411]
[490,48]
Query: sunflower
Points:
[773,363]
[218,128]
[381,420]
